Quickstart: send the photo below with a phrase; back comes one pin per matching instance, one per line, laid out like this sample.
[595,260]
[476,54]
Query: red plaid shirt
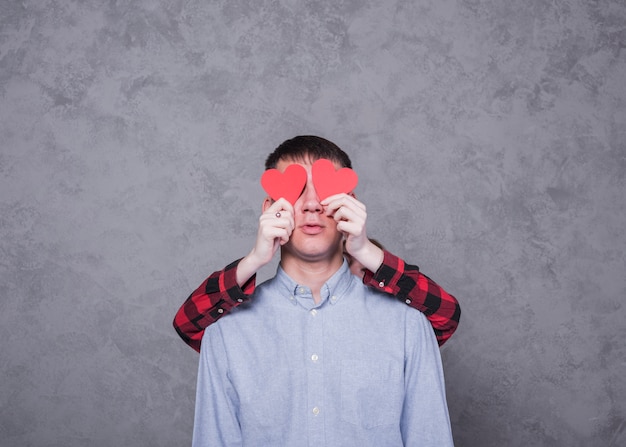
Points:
[219,293]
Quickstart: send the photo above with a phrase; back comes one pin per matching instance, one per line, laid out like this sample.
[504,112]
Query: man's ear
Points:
[267,203]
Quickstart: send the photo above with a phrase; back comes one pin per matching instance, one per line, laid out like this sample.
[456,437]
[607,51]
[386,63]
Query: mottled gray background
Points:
[490,140]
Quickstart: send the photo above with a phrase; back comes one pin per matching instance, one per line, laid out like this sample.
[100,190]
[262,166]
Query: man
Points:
[315,357]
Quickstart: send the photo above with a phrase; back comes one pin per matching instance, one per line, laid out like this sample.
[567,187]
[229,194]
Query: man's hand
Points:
[351,215]
[275,227]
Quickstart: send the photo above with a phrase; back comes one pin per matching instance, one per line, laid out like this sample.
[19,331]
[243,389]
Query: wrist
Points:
[370,256]
[247,267]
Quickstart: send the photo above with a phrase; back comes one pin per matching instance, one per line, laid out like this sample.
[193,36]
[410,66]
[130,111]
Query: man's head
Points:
[315,236]
[308,148]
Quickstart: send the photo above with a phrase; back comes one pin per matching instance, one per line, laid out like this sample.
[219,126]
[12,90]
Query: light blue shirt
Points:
[358,369]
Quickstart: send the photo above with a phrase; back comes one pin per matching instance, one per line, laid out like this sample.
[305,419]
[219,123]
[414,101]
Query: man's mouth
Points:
[311,229]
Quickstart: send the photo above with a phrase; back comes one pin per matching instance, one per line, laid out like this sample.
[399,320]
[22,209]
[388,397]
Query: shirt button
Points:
[333,299]
[220,311]
[381,284]
[314,357]
[301,289]
[316,411]
[240,300]
[408,301]
[313,312]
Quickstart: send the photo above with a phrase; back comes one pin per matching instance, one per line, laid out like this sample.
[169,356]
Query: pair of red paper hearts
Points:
[326,180]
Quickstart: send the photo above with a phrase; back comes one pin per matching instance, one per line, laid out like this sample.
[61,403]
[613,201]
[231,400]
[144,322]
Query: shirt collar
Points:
[332,290]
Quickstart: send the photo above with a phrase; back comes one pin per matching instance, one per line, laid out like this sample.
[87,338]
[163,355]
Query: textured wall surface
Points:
[490,141]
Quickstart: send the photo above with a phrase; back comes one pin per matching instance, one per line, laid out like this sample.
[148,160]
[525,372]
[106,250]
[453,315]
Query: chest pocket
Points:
[371,395]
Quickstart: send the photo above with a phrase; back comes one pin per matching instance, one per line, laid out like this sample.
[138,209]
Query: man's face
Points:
[315,236]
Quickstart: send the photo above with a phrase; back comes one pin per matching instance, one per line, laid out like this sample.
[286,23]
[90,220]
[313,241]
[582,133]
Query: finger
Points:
[281,220]
[275,217]
[278,209]
[276,233]
[332,198]
[350,229]
[343,201]
[282,204]
[353,215]
[344,198]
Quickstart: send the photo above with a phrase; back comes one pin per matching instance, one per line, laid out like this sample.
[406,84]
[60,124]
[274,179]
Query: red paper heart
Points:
[288,184]
[328,181]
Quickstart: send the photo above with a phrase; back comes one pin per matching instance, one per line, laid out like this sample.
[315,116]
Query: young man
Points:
[316,357]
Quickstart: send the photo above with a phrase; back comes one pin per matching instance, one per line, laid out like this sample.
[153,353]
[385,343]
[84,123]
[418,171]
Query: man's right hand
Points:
[275,227]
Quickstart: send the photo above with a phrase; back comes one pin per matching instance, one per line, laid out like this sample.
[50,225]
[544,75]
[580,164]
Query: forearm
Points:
[228,288]
[215,297]
[370,256]
[407,283]
[440,308]
[247,268]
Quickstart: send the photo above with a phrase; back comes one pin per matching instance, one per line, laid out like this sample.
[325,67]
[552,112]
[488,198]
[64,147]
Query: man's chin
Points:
[311,253]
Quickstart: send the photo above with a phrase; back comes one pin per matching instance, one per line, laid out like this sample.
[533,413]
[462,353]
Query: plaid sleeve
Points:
[406,283]
[215,297]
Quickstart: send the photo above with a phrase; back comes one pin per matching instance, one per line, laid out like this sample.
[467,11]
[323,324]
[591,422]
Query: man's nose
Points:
[311,202]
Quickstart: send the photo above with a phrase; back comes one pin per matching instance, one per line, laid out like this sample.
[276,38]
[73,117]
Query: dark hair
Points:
[308,146]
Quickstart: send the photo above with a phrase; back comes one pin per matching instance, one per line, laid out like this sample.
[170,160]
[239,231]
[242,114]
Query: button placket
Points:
[315,375]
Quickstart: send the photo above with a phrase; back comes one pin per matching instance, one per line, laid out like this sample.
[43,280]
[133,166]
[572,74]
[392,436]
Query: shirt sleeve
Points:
[425,419]
[408,284]
[217,403]
[215,297]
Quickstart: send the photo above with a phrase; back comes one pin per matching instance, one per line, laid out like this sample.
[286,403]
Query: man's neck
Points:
[312,274]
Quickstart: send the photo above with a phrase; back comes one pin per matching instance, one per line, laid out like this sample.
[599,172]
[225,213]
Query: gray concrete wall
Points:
[490,141]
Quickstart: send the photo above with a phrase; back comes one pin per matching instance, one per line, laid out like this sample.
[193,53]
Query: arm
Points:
[408,284]
[228,288]
[393,276]
[425,419]
[215,297]
[216,414]
[220,293]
